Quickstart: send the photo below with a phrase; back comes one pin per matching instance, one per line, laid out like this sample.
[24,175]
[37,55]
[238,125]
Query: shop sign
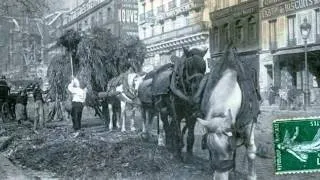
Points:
[128,13]
[288,7]
[235,11]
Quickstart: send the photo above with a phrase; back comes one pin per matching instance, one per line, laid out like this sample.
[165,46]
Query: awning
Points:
[295,50]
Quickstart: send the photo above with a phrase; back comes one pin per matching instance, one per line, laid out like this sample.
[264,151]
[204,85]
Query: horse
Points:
[148,110]
[172,88]
[230,104]
[122,88]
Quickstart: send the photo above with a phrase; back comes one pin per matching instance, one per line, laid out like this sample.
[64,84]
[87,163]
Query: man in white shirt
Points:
[78,98]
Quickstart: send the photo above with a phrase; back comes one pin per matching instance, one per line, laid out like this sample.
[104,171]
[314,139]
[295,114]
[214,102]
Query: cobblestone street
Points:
[264,160]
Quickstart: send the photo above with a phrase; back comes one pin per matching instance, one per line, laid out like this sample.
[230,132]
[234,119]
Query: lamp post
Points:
[305,29]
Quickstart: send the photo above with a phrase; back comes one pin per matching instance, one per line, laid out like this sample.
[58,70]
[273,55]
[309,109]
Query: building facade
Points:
[165,26]
[282,57]
[22,48]
[236,21]
[118,16]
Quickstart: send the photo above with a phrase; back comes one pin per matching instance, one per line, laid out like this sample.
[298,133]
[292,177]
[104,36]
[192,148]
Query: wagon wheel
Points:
[5,111]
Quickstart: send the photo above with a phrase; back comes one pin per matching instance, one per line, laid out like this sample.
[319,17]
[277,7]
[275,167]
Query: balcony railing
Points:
[188,30]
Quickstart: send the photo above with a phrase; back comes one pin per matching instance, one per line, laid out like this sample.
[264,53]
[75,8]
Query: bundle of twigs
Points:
[97,57]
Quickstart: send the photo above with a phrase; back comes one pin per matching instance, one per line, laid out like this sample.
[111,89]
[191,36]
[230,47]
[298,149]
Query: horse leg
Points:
[191,122]
[144,114]
[176,130]
[161,138]
[251,151]
[132,116]
[123,116]
[117,117]
[110,123]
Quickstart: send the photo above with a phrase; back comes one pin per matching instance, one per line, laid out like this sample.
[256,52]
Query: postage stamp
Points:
[297,145]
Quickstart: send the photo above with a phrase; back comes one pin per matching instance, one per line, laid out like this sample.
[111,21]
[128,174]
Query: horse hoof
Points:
[133,129]
[252,177]
[123,130]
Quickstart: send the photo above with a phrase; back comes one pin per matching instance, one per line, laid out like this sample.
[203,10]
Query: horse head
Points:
[194,68]
[134,80]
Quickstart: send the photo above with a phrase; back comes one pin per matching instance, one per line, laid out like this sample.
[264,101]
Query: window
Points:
[144,32]
[184,1]
[109,15]
[226,33]
[252,29]
[173,24]
[80,27]
[172,4]
[318,24]
[239,31]
[100,17]
[218,6]
[291,30]
[152,30]
[160,9]
[93,21]
[273,34]
[216,38]
[225,3]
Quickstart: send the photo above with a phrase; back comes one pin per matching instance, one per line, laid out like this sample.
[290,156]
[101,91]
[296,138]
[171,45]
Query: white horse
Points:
[120,91]
[224,122]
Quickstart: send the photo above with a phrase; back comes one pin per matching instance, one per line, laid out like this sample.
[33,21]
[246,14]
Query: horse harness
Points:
[227,165]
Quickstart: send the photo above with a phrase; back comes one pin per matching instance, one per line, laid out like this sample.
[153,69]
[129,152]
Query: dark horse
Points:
[173,88]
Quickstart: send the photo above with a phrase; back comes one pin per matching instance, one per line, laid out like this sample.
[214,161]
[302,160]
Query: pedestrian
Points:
[25,103]
[39,111]
[20,107]
[271,95]
[78,94]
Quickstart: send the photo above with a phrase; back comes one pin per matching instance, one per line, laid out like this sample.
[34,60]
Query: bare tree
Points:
[23,7]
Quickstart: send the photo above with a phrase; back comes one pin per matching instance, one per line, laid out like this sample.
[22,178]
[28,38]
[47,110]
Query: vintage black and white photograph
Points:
[160,89]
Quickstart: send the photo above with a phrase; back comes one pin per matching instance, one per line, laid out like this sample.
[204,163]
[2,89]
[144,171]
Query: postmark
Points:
[297,145]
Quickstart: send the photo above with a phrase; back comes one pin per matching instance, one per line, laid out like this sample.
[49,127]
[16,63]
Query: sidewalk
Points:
[8,171]
[276,109]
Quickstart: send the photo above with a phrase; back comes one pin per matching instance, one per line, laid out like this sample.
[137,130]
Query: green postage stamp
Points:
[297,145]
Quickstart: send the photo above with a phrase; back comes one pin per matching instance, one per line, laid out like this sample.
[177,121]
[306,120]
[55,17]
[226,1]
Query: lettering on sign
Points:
[128,15]
[270,2]
[287,7]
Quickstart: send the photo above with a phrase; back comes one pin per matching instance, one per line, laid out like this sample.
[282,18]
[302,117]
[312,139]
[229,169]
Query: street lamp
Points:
[305,29]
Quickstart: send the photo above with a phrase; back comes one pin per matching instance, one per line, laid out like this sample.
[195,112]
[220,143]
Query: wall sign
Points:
[288,7]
